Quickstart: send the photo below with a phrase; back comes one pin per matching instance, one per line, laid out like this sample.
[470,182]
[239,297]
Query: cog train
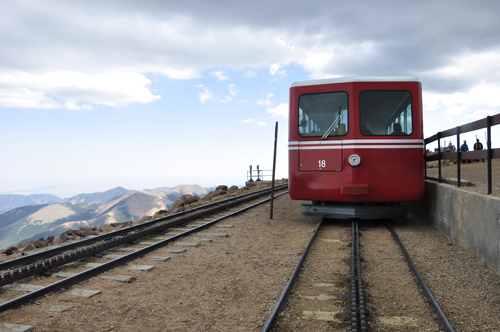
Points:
[356,146]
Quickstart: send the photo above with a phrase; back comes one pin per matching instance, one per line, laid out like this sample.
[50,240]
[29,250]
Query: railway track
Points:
[330,295]
[131,241]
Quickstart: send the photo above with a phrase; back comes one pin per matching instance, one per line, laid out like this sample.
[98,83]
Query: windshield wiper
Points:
[330,129]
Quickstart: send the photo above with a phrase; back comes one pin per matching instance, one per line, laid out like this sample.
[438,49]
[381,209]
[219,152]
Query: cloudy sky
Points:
[142,94]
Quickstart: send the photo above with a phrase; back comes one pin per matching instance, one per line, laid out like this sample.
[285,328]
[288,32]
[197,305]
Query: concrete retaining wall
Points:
[469,219]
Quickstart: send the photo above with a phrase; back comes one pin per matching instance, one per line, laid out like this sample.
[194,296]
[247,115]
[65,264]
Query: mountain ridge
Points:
[12,201]
[99,197]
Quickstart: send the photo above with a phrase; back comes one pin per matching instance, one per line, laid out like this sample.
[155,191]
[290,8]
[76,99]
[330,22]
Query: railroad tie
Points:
[120,278]
[176,251]
[16,328]
[85,293]
[188,244]
[141,267]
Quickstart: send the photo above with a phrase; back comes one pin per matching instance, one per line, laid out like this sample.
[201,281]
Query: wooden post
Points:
[274,168]
[439,156]
[489,121]
[459,156]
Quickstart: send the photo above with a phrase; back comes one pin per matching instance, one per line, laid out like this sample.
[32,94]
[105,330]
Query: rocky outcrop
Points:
[159,214]
[213,194]
[143,219]
[104,228]
[29,247]
[185,200]
[9,251]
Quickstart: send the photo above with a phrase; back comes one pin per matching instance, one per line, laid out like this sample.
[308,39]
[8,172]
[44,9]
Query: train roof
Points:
[356,79]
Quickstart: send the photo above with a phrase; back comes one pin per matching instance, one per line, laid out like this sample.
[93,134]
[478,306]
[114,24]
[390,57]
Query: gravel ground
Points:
[232,284]
[475,172]
[394,301]
[466,289]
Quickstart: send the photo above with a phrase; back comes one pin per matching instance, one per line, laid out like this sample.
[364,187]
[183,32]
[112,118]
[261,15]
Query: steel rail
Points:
[280,305]
[70,281]
[421,283]
[352,279]
[38,263]
[358,312]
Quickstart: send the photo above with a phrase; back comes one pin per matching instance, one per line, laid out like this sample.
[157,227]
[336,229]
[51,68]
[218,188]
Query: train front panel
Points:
[356,140]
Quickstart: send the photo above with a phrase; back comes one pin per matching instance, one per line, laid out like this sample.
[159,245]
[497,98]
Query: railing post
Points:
[425,160]
[251,180]
[274,169]
[459,156]
[439,156]
[489,121]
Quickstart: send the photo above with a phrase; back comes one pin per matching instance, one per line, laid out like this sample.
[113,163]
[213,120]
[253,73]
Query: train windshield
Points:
[385,113]
[323,114]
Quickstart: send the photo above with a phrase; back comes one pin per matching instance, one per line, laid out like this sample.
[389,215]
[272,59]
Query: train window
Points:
[385,113]
[323,114]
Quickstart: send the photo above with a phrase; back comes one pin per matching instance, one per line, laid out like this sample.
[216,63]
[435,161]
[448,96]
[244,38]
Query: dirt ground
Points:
[475,172]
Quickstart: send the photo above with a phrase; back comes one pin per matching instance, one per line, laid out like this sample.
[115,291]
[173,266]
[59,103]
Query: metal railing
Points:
[259,175]
[459,155]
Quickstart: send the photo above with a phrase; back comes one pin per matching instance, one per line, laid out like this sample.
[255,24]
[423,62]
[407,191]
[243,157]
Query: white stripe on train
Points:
[356,141]
[338,147]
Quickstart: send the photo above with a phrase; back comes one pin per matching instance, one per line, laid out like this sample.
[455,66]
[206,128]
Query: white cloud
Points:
[481,114]
[205,95]
[273,69]
[282,42]
[225,100]
[220,75]
[73,90]
[232,90]
[252,121]
[280,110]
[263,102]
[315,62]
[481,96]
[102,42]
[25,98]
[179,41]
[250,74]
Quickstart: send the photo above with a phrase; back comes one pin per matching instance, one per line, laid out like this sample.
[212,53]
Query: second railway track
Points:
[149,237]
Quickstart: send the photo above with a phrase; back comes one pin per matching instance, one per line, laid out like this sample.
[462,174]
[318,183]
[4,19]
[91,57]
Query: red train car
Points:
[356,146]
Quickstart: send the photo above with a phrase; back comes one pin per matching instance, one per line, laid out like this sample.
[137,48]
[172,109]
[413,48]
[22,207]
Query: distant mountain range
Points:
[101,197]
[30,222]
[9,202]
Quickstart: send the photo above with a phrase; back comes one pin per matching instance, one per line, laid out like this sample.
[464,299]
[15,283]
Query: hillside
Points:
[32,222]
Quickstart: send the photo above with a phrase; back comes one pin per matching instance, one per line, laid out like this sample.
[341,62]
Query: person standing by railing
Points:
[478,146]
[464,148]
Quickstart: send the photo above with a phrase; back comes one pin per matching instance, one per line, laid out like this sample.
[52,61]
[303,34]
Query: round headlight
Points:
[354,160]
